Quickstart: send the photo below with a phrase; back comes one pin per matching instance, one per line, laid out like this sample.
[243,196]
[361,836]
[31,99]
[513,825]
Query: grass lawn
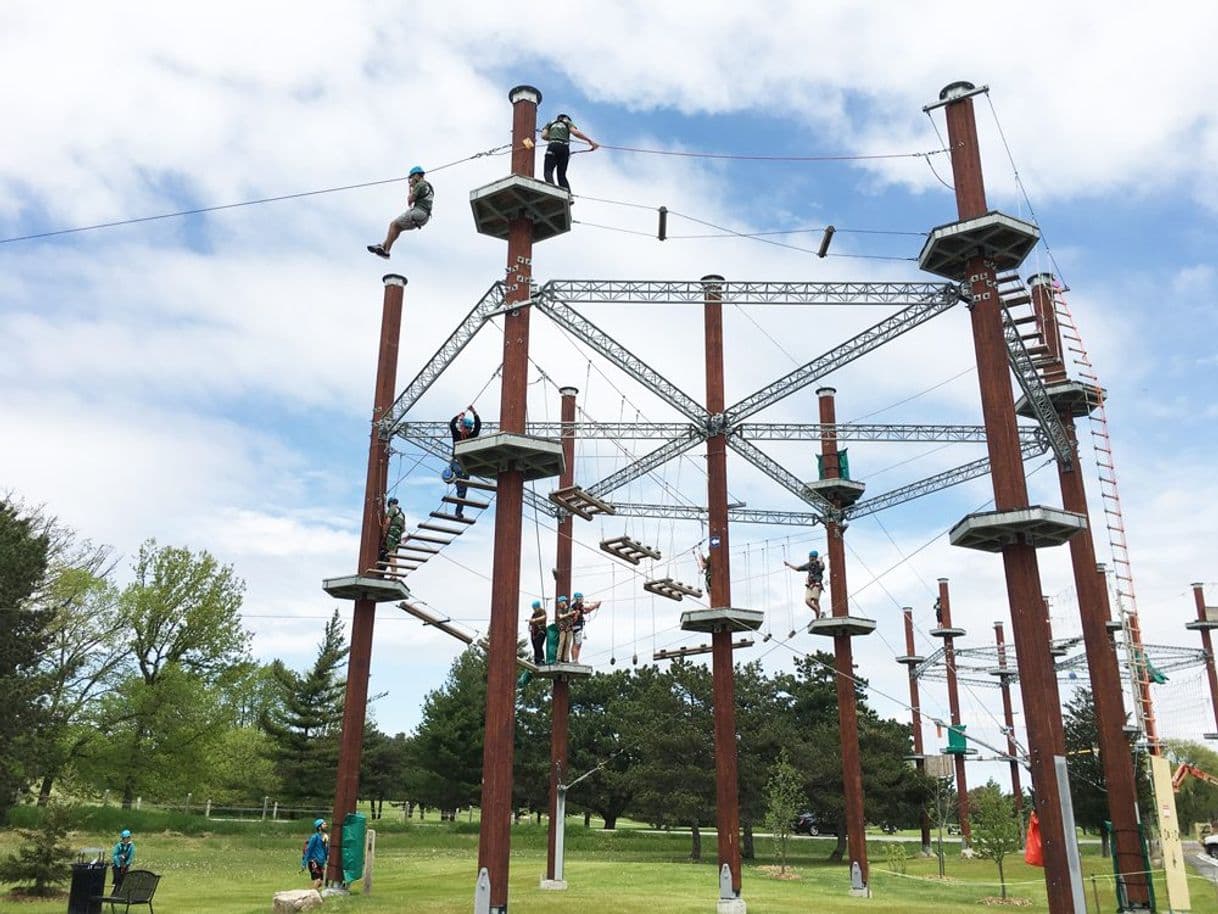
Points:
[431,868]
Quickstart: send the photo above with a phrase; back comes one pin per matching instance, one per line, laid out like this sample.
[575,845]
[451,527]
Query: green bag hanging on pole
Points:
[551,643]
[355,833]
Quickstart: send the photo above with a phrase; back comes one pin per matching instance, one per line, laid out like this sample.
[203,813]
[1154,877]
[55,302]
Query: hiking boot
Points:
[379,251]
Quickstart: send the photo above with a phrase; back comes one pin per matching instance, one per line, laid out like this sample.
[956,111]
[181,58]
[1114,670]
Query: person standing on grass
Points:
[316,851]
[122,857]
[557,135]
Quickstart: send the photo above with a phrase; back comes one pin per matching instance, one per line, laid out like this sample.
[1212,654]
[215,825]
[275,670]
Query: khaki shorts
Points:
[579,635]
[813,591]
[412,219]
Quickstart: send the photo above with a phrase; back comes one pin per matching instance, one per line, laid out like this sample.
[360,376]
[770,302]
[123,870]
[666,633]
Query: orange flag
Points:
[1034,851]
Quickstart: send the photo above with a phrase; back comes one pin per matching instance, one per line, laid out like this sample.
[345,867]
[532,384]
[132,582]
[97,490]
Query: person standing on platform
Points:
[122,857]
[566,620]
[418,212]
[316,852]
[557,135]
[537,632]
[814,586]
[463,427]
[581,610]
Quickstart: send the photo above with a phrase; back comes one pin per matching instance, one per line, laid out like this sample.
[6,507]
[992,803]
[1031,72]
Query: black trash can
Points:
[88,883]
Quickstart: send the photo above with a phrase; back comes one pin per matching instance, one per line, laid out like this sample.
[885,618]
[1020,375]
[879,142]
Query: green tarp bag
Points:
[355,834]
[551,643]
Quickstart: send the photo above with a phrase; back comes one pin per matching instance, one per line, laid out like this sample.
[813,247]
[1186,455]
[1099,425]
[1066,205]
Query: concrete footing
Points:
[731,906]
[553,885]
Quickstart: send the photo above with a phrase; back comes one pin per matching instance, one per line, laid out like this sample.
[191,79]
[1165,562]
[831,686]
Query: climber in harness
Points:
[557,135]
[814,586]
[704,565]
[418,212]
[581,610]
[537,632]
[392,528]
[463,427]
[565,617]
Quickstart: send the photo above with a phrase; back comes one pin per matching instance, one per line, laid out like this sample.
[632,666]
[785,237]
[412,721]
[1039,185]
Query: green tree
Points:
[1196,800]
[448,741]
[41,862]
[598,706]
[383,768]
[184,632]
[996,828]
[304,725]
[784,799]
[24,636]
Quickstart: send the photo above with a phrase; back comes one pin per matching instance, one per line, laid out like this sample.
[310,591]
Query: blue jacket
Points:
[124,854]
[316,850]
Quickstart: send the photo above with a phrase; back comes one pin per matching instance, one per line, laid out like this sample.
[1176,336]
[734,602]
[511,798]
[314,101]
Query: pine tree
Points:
[306,725]
[24,635]
[40,862]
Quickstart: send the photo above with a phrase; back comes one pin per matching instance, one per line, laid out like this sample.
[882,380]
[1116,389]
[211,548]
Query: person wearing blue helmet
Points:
[418,212]
[122,857]
[537,632]
[463,426]
[581,610]
[316,852]
[565,617]
[814,585]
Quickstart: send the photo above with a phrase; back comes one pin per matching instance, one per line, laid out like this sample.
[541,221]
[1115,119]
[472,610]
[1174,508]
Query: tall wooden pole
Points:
[359,659]
[953,705]
[727,802]
[915,707]
[560,705]
[1008,716]
[1038,682]
[498,750]
[843,651]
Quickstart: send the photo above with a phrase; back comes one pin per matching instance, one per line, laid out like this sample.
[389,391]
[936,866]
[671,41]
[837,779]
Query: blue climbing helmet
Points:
[578,596]
[537,604]
[468,422]
[813,554]
[319,823]
[561,600]
[448,474]
[125,833]
[415,171]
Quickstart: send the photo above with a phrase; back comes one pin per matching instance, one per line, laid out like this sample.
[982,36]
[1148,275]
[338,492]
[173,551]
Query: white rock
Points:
[296,900]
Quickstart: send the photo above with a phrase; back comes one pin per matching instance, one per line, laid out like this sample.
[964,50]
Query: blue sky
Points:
[207,380]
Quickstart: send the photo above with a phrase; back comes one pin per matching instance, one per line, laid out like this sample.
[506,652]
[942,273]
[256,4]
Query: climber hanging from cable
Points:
[814,586]
[557,135]
[418,212]
[463,427]
[393,525]
[581,610]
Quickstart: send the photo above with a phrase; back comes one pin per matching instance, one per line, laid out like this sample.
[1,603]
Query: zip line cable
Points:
[750,157]
[497,150]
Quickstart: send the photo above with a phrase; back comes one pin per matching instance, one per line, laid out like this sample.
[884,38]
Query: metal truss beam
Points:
[890,328]
[1034,389]
[781,475]
[570,319]
[491,302]
[644,464]
[735,515]
[753,431]
[1033,447]
[693,292]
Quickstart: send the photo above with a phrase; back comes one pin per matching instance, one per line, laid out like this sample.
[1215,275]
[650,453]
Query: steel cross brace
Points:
[1032,447]
[735,515]
[491,303]
[594,291]
[783,477]
[753,431]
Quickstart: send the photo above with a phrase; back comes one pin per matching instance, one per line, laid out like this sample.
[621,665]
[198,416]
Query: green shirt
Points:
[558,131]
[397,520]
[421,196]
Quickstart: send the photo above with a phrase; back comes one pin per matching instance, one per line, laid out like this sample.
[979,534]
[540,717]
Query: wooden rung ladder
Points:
[478,484]
[679,652]
[626,549]
[673,590]
[579,502]
[465,502]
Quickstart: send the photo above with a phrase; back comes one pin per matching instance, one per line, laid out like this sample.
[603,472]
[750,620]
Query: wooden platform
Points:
[671,589]
[626,549]
[580,503]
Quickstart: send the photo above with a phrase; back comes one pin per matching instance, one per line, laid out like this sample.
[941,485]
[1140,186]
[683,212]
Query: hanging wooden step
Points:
[455,518]
[478,484]
[626,549]
[679,652]
[426,539]
[465,502]
[451,531]
[425,549]
[673,590]
[579,502]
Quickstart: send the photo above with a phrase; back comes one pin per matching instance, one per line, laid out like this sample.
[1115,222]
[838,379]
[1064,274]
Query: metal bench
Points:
[137,887]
